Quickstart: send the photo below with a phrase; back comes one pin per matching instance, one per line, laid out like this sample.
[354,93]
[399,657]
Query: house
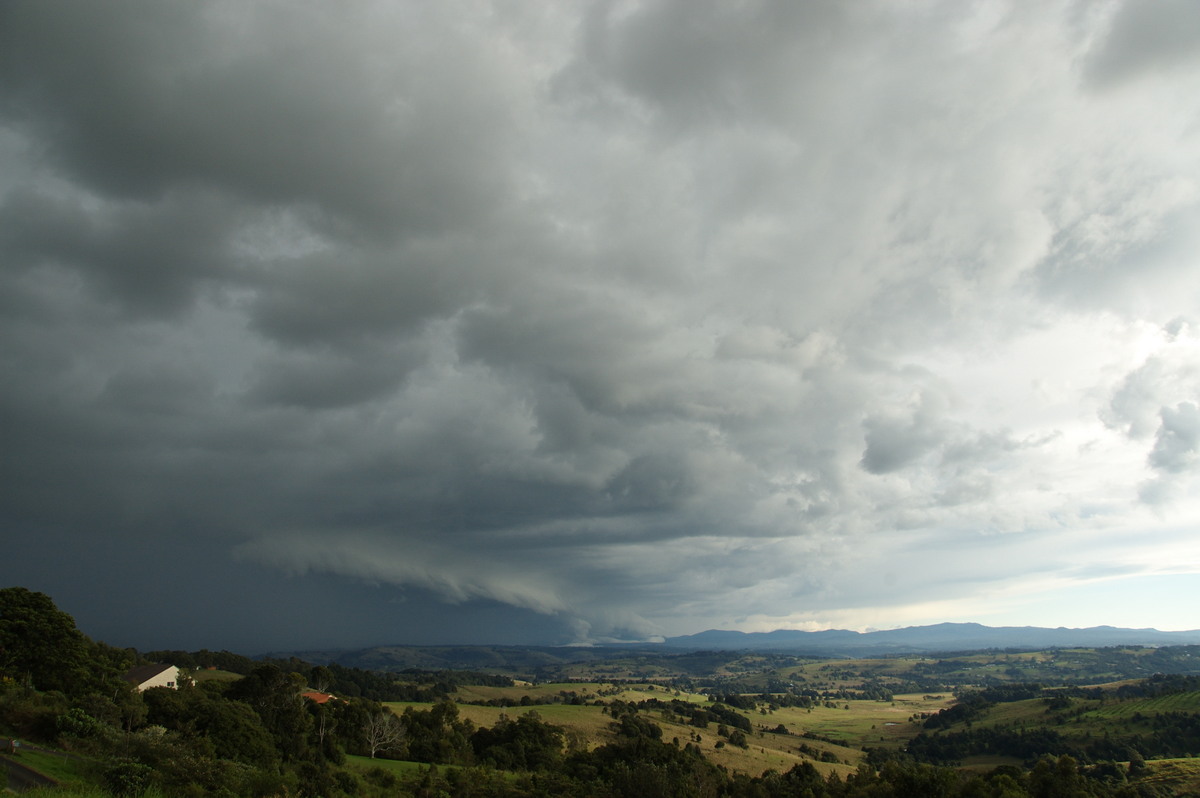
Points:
[143,677]
[317,697]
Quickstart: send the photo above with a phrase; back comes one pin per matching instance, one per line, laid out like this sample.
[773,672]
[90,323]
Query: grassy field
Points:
[205,675]
[844,729]
[1179,776]
[394,766]
[1177,702]
[60,767]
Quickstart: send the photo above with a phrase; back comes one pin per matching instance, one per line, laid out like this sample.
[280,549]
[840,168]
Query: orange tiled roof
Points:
[313,695]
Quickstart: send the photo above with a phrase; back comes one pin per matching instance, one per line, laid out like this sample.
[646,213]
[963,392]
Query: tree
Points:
[40,647]
[320,679]
[383,731]
[527,743]
[232,729]
[276,698]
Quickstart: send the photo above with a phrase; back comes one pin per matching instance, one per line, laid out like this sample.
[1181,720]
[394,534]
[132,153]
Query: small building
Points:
[143,677]
[317,697]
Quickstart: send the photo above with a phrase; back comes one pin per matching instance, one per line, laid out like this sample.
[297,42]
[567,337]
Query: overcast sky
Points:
[357,323]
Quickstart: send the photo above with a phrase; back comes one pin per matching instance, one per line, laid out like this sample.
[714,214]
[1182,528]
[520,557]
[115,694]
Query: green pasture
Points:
[765,751]
[1031,712]
[1177,776]
[206,675]
[587,721]
[858,723]
[396,767]
[775,752]
[850,729]
[60,767]
[589,691]
[1120,710]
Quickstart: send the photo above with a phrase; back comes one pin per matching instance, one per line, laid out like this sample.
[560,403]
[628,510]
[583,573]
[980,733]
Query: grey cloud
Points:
[329,380]
[983,446]
[620,319]
[651,482]
[711,62]
[1168,377]
[1146,37]
[152,259]
[1133,404]
[1102,261]
[180,99]
[164,390]
[330,297]
[1177,442]
[896,439]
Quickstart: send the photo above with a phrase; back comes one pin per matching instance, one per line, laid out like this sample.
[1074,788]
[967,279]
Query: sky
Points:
[346,324]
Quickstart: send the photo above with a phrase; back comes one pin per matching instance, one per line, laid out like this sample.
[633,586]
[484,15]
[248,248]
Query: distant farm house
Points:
[316,697]
[144,677]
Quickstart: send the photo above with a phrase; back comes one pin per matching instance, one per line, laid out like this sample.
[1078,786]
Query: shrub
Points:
[126,778]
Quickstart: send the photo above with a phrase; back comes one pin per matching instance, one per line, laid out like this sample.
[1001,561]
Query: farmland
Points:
[838,715]
[777,738]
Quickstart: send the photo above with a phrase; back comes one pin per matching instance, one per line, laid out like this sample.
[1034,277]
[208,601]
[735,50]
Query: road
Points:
[22,778]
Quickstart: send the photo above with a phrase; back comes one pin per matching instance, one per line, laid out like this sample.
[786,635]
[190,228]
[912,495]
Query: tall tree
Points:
[40,645]
[276,697]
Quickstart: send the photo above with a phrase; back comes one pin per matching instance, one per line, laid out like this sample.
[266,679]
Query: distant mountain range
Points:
[938,639]
[941,637]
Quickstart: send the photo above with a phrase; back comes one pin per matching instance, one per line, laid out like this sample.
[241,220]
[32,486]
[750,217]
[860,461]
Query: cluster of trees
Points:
[1160,734]
[572,697]
[972,704]
[1158,685]
[696,715]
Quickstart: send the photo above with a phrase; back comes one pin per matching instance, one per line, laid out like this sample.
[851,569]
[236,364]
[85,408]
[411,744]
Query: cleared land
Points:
[835,734]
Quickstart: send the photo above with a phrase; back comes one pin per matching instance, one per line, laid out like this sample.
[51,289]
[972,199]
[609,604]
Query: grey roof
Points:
[144,673]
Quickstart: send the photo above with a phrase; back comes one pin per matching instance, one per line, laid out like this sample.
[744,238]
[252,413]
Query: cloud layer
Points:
[597,320]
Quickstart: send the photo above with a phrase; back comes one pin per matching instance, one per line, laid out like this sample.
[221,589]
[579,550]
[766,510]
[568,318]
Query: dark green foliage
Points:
[32,715]
[631,724]
[949,748]
[126,778]
[41,648]
[75,722]
[276,698]
[1160,684]
[526,743]
[183,766]
[969,707]
[646,768]
[738,701]
[695,715]
[230,729]
[222,660]
[438,735]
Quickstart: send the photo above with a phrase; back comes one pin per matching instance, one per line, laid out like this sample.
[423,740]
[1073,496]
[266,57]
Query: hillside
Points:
[630,723]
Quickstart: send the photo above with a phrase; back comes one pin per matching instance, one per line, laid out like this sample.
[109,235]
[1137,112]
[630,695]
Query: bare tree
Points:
[383,731]
[320,679]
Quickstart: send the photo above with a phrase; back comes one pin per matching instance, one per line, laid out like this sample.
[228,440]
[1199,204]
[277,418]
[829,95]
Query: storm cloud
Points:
[540,322]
